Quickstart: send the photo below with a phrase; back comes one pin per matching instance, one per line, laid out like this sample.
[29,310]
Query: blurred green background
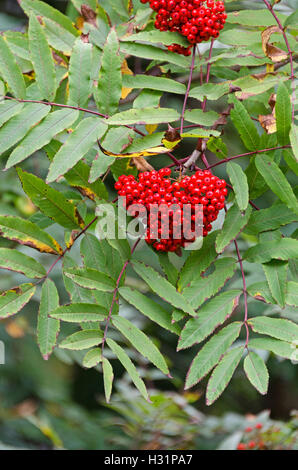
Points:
[57,404]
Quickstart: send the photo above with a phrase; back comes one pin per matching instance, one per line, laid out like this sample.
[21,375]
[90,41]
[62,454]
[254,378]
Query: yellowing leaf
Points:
[125,70]
[170,140]
[271,51]
[150,128]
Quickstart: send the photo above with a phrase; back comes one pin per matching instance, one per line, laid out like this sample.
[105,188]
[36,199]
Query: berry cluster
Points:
[197,20]
[251,444]
[156,188]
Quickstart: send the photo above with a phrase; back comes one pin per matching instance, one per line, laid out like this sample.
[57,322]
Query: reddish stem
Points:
[208,71]
[270,8]
[188,87]
[247,154]
[68,248]
[115,295]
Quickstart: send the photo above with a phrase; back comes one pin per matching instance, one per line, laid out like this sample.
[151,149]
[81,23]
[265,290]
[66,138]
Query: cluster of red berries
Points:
[197,20]
[156,188]
[256,443]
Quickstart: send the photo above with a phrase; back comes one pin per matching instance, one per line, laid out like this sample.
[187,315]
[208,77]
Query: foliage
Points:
[65,84]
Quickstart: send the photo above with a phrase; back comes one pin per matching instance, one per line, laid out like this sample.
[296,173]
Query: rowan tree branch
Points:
[282,30]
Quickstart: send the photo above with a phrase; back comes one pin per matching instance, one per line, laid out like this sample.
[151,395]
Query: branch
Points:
[67,249]
[77,108]
[282,30]
[188,87]
[115,294]
[248,154]
[244,292]
[208,71]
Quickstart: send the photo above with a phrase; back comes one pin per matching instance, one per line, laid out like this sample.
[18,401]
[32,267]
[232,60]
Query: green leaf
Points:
[98,254]
[47,328]
[234,223]
[8,109]
[239,182]
[82,340]
[292,19]
[76,146]
[256,183]
[91,279]
[162,287]
[18,43]
[153,83]
[245,126]
[218,147]
[80,66]
[141,342]
[27,233]
[211,353]
[43,9]
[10,71]
[129,366]
[42,59]
[146,51]
[168,268]
[42,134]
[222,374]
[256,371]
[17,127]
[269,219]
[205,287]
[292,293]
[198,261]
[261,291]
[210,91]
[290,158]
[294,139]
[283,114]
[254,17]
[108,94]
[144,116]
[198,116]
[13,300]
[280,348]
[276,275]
[108,377]
[76,293]
[58,37]
[211,315]
[16,261]
[283,249]
[149,308]
[80,313]
[78,177]
[276,181]
[51,202]
[92,358]
[278,328]
[156,36]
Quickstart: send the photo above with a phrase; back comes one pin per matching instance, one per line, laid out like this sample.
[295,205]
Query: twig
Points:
[68,249]
[270,8]
[115,295]
[188,87]
[77,108]
[248,154]
[208,71]
[244,292]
